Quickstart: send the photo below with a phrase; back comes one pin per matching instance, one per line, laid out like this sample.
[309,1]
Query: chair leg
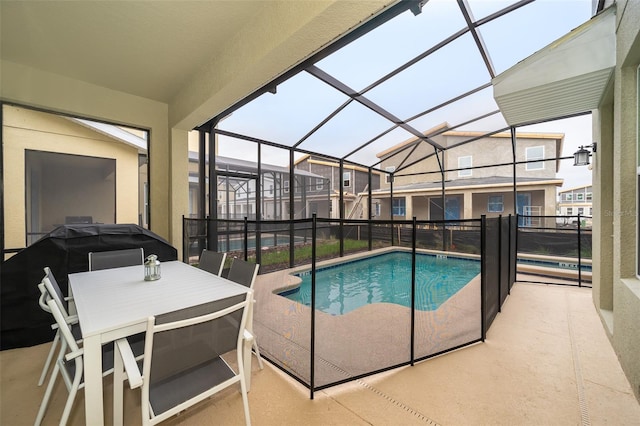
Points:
[256,350]
[47,363]
[72,393]
[47,395]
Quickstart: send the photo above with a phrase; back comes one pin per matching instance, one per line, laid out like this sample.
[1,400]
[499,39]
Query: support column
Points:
[179,178]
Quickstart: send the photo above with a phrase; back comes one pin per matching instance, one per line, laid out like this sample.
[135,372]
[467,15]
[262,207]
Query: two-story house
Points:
[478,177]
[355,182]
[576,201]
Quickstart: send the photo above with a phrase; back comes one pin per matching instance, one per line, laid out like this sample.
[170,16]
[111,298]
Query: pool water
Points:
[385,278]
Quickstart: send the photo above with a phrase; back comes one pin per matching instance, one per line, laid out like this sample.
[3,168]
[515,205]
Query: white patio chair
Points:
[63,303]
[245,273]
[115,258]
[184,362]
[212,261]
[72,320]
[69,364]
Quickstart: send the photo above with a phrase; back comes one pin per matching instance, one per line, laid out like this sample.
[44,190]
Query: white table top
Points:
[117,298]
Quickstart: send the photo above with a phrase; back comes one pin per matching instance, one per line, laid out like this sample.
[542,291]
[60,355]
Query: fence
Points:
[553,253]
[443,286]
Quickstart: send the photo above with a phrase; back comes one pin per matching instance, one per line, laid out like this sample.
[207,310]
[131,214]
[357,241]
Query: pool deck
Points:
[546,361]
[382,330]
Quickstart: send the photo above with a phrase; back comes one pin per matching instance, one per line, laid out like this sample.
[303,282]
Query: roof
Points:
[575,188]
[250,166]
[469,134]
[309,158]
[470,183]
[566,77]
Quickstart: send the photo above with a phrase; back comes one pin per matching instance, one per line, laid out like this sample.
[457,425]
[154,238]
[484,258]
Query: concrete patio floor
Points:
[546,361]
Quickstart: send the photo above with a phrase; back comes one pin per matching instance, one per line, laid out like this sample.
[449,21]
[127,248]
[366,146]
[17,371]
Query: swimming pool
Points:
[385,278]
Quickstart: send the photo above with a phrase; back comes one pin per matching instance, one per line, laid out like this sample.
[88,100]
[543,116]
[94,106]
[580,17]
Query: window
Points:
[568,196]
[346,179]
[580,211]
[569,211]
[399,207]
[580,196]
[319,184]
[51,177]
[535,153]
[376,209]
[286,186]
[589,196]
[462,163]
[270,189]
[495,204]
[387,176]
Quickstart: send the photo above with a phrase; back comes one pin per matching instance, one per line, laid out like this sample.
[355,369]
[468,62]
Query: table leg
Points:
[118,385]
[93,405]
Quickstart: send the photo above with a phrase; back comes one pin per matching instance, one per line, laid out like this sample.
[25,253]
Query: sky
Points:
[303,101]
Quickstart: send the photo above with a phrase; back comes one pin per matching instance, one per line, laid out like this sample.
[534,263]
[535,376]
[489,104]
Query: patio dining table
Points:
[115,303]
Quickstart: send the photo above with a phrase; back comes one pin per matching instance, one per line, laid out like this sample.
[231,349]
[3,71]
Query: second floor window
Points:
[463,162]
[346,179]
[495,204]
[535,153]
[319,184]
[589,196]
[568,197]
[580,196]
[286,186]
[399,207]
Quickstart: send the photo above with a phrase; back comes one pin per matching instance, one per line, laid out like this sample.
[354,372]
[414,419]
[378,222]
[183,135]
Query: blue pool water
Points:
[385,278]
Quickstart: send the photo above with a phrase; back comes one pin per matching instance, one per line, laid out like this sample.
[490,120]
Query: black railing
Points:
[557,251]
[322,348]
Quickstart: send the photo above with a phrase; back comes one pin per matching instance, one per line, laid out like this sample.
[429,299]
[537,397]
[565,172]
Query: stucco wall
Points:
[616,288]
[26,129]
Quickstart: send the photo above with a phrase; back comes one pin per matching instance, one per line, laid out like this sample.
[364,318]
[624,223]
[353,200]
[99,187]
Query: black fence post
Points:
[314,224]
[246,238]
[579,253]
[413,289]
[483,274]
[185,242]
[500,263]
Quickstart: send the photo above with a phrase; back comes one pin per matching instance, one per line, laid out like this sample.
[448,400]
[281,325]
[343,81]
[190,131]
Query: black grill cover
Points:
[64,250]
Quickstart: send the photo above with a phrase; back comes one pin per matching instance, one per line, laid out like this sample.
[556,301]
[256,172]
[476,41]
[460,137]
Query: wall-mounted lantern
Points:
[581,156]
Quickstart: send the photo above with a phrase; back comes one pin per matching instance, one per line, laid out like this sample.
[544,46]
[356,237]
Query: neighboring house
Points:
[355,183]
[576,201]
[237,183]
[60,170]
[470,192]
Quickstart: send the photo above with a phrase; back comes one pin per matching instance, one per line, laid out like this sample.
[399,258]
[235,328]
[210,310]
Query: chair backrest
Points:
[212,261]
[115,258]
[243,272]
[182,354]
[55,292]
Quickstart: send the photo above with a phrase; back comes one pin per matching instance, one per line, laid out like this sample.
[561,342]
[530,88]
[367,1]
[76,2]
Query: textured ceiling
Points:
[109,43]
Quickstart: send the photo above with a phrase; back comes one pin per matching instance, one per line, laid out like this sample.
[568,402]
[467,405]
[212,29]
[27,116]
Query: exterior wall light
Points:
[581,156]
